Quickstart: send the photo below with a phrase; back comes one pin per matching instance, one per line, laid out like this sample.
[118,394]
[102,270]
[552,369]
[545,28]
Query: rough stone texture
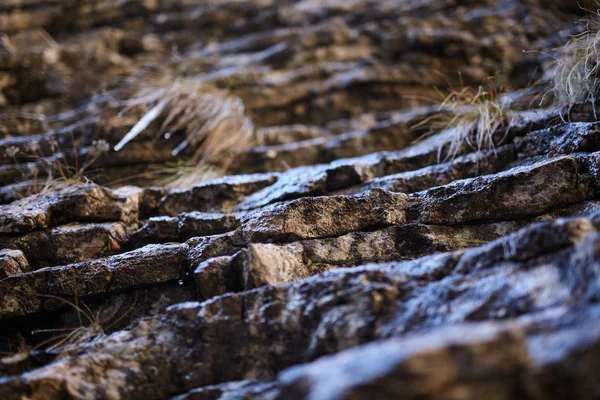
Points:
[426,366]
[219,196]
[12,262]
[519,192]
[345,255]
[322,216]
[76,203]
[69,243]
[217,276]
[156,230]
[149,265]
[268,264]
[205,224]
[330,313]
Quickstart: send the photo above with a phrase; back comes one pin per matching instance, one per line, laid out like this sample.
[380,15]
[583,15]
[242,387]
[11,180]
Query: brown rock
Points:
[12,262]
[77,203]
[325,216]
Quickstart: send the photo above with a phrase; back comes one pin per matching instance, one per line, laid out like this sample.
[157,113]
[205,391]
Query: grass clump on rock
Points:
[214,121]
[577,71]
[471,116]
[185,175]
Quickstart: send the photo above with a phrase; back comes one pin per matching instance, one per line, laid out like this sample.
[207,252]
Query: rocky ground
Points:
[340,257]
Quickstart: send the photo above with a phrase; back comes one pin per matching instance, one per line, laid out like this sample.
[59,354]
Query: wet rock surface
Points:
[342,256]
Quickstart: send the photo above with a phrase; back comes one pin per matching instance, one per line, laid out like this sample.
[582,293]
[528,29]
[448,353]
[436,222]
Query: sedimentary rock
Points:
[353,248]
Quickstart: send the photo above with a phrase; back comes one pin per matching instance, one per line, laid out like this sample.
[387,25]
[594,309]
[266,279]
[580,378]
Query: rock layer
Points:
[346,255]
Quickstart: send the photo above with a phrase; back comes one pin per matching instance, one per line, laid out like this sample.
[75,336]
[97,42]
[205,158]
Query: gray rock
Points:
[517,193]
[69,243]
[214,196]
[363,261]
[28,293]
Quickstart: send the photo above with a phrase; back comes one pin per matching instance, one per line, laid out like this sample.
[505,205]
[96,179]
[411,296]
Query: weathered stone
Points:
[150,201]
[17,191]
[379,137]
[411,366]
[217,276]
[292,184]
[484,279]
[214,196]
[12,262]
[203,248]
[561,347]
[528,243]
[183,227]
[517,193]
[249,389]
[21,148]
[318,316]
[274,264]
[418,240]
[353,248]
[156,230]
[461,362]
[561,139]
[27,293]
[466,166]
[269,264]
[77,203]
[69,243]
[286,134]
[205,224]
[320,216]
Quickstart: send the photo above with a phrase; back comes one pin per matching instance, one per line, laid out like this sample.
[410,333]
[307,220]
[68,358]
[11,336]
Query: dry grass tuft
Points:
[61,169]
[577,70]
[185,176]
[214,121]
[173,175]
[472,115]
[61,173]
[89,328]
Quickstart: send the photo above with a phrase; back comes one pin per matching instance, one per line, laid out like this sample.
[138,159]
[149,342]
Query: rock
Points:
[203,248]
[206,224]
[156,230]
[69,243]
[319,216]
[318,316]
[492,359]
[528,243]
[292,184]
[150,201]
[75,203]
[351,246]
[379,137]
[214,196]
[466,166]
[576,137]
[268,264]
[25,293]
[520,192]
[12,262]
[217,276]
[251,388]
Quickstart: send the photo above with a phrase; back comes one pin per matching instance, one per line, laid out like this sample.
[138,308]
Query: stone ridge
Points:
[345,255]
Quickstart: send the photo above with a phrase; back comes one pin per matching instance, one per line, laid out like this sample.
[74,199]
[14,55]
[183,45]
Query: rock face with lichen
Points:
[339,257]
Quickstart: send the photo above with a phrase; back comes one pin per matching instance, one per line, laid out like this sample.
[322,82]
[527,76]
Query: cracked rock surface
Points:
[346,256]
